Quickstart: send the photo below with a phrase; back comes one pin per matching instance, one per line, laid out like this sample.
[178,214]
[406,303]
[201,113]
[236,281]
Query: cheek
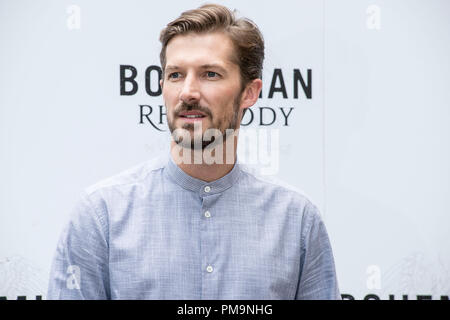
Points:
[167,96]
[170,99]
[221,99]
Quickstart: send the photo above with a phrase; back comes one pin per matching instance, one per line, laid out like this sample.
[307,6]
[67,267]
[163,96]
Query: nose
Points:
[190,92]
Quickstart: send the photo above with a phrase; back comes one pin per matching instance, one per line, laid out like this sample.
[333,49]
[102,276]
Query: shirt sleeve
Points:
[80,265]
[318,279]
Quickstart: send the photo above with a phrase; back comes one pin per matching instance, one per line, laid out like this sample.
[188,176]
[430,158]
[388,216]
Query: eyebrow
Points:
[172,67]
[213,66]
[204,66]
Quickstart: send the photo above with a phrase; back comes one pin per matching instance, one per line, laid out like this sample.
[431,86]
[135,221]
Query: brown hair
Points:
[244,33]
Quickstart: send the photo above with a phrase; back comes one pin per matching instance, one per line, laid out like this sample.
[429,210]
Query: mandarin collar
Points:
[203,188]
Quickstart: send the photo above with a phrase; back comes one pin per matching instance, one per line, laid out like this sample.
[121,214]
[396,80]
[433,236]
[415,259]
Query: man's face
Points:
[201,83]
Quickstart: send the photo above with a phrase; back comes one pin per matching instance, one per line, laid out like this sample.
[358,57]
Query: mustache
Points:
[192,107]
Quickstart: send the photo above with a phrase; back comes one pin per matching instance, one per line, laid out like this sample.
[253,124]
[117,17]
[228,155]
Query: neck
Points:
[198,168]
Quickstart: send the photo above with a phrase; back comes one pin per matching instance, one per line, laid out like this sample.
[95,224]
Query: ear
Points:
[161,82]
[251,93]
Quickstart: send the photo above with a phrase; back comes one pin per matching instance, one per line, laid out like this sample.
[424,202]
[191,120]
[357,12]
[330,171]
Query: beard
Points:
[191,134]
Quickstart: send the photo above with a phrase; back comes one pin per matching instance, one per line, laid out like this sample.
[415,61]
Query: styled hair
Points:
[247,39]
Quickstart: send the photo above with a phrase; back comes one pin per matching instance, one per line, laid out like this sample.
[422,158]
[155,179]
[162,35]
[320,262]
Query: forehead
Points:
[196,49]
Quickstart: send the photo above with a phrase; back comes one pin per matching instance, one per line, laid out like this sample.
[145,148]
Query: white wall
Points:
[371,147]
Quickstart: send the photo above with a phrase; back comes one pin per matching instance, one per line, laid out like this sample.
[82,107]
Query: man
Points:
[197,224]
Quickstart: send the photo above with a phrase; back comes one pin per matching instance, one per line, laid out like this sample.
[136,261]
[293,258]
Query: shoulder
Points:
[132,176]
[90,215]
[276,185]
[117,190]
[293,200]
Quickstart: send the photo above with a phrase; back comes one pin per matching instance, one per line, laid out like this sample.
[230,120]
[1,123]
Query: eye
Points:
[173,75]
[212,74]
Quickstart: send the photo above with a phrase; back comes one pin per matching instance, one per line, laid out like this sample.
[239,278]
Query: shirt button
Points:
[207,189]
[207,214]
[209,269]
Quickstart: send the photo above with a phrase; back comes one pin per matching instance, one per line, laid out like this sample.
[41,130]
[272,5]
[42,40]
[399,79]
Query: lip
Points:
[191,113]
[183,115]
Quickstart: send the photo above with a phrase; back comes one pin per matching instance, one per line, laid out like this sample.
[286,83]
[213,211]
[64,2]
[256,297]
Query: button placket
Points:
[209,252]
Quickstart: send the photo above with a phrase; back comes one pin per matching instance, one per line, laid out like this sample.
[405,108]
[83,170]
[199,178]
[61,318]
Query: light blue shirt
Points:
[154,232]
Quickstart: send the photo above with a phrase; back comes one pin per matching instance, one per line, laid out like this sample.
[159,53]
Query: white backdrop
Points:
[370,146]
